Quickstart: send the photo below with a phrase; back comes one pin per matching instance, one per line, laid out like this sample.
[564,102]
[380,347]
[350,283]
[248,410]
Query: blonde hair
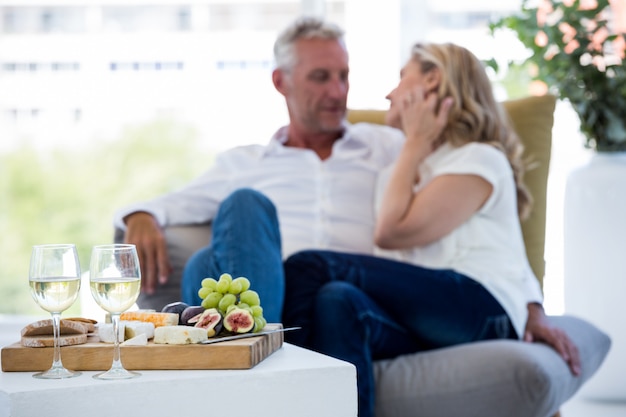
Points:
[475,116]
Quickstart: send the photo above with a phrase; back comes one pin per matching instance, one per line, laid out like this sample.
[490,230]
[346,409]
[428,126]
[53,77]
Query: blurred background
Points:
[104,103]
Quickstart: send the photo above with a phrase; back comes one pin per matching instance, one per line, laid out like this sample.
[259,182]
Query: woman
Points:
[457,270]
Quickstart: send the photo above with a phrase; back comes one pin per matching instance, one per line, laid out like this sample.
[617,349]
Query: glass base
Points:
[56,373]
[117,374]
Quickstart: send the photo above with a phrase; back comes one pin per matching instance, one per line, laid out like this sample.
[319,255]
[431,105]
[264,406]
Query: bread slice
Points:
[89,323]
[48,341]
[44,327]
[40,334]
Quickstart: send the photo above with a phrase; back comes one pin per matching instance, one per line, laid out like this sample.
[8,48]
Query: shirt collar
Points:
[276,144]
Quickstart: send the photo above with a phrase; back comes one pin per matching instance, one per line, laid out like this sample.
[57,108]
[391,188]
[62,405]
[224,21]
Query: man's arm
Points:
[538,329]
[143,231]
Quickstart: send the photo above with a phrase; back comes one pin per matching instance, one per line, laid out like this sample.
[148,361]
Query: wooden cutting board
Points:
[235,354]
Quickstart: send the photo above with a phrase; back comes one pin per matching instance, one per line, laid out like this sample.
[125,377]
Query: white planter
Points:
[595,262]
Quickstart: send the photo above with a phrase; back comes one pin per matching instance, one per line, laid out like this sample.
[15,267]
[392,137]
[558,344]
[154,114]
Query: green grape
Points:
[209,283]
[227,277]
[235,287]
[212,300]
[222,286]
[205,304]
[231,308]
[227,300]
[250,297]
[203,292]
[245,283]
[259,323]
[244,306]
[257,311]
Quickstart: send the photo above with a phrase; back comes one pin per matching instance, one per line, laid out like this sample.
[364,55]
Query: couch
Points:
[501,378]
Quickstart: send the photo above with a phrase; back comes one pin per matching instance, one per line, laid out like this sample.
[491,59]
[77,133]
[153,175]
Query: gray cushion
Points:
[492,378]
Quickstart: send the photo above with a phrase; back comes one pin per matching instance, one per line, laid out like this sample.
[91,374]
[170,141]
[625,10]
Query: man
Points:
[319,172]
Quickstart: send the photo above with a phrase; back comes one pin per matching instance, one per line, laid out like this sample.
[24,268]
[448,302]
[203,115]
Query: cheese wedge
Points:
[139,340]
[135,328]
[179,335]
[156,318]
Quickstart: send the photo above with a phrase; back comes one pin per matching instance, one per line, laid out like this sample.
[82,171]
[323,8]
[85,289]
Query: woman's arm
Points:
[409,219]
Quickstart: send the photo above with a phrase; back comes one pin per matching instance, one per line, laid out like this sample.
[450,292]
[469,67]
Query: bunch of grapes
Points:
[226,294]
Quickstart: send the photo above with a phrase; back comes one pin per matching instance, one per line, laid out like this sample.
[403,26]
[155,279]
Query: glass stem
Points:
[117,363]
[56,332]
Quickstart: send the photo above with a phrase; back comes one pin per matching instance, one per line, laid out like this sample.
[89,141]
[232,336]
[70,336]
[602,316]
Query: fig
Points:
[190,315]
[239,320]
[211,320]
[177,307]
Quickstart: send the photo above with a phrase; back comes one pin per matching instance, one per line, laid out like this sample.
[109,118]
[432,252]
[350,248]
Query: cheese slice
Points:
[179,335]
[105,332]
[158,319]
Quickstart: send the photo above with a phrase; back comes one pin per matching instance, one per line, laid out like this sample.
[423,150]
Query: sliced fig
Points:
[190,315]
[239,320]
[211,320]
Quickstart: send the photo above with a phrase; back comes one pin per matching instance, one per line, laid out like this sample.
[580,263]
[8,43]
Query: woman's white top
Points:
[489,247]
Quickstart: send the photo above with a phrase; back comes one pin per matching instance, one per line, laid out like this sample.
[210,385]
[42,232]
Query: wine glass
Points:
[54,279]
[115,280]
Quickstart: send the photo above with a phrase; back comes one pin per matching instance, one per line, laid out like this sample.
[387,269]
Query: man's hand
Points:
[143,231]
[538,329]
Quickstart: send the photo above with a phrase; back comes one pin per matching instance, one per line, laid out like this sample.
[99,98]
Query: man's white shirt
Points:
[325,204]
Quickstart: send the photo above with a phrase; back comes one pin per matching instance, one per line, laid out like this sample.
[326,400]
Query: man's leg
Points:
[245,242]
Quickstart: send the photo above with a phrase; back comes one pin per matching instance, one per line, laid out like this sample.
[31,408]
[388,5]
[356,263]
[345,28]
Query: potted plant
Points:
[577,48]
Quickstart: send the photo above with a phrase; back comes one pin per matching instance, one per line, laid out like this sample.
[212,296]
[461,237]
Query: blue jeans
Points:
[245,242]
[362,308]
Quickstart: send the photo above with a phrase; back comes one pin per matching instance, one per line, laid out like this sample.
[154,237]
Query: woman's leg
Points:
[440,307]
[350,326]
[245,242]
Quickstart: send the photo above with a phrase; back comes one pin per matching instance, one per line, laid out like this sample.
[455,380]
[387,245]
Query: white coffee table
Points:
[290,382]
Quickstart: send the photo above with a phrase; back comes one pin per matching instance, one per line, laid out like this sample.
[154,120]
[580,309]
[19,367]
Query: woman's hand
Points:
[538,329]
[422,121]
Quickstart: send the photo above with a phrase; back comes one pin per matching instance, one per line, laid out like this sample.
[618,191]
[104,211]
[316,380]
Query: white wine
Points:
[55,294]
[115,295]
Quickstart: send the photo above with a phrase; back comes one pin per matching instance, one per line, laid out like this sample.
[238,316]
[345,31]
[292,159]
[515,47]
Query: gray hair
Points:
[303,28]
